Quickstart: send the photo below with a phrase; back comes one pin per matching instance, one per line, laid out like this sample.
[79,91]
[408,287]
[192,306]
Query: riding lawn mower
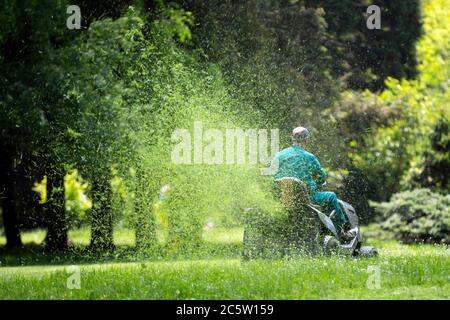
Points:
[303,228]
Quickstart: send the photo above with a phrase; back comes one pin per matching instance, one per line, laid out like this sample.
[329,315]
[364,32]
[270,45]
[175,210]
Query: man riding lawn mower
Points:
[304,229]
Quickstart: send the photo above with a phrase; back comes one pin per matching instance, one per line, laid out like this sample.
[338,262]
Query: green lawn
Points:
[419,271]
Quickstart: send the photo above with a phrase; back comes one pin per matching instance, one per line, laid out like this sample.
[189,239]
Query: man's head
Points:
[300,136]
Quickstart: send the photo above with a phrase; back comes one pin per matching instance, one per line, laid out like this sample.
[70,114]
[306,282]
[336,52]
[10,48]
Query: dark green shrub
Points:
[417,216]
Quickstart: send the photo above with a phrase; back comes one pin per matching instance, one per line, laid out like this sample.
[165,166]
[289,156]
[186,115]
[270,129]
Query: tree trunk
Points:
[102,218]
[57,228]
[10,222]
[145,223]
[145,226]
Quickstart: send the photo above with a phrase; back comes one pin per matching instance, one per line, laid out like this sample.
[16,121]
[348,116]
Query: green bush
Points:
[417,216]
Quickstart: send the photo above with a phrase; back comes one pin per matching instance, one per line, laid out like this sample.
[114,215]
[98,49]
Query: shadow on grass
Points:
[33,255]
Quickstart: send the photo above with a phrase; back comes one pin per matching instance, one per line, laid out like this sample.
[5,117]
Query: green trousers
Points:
[330,202]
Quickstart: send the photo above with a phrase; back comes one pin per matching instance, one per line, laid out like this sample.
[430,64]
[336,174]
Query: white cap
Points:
[300,134]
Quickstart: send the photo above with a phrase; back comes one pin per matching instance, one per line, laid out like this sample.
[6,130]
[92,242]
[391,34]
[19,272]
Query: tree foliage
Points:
[86,116]
[409,149]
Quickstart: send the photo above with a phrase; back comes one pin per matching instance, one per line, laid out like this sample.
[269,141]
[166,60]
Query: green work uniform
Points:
[298,163]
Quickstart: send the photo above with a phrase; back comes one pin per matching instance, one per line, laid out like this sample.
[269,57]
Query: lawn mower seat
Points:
[295,197]
[291,233]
